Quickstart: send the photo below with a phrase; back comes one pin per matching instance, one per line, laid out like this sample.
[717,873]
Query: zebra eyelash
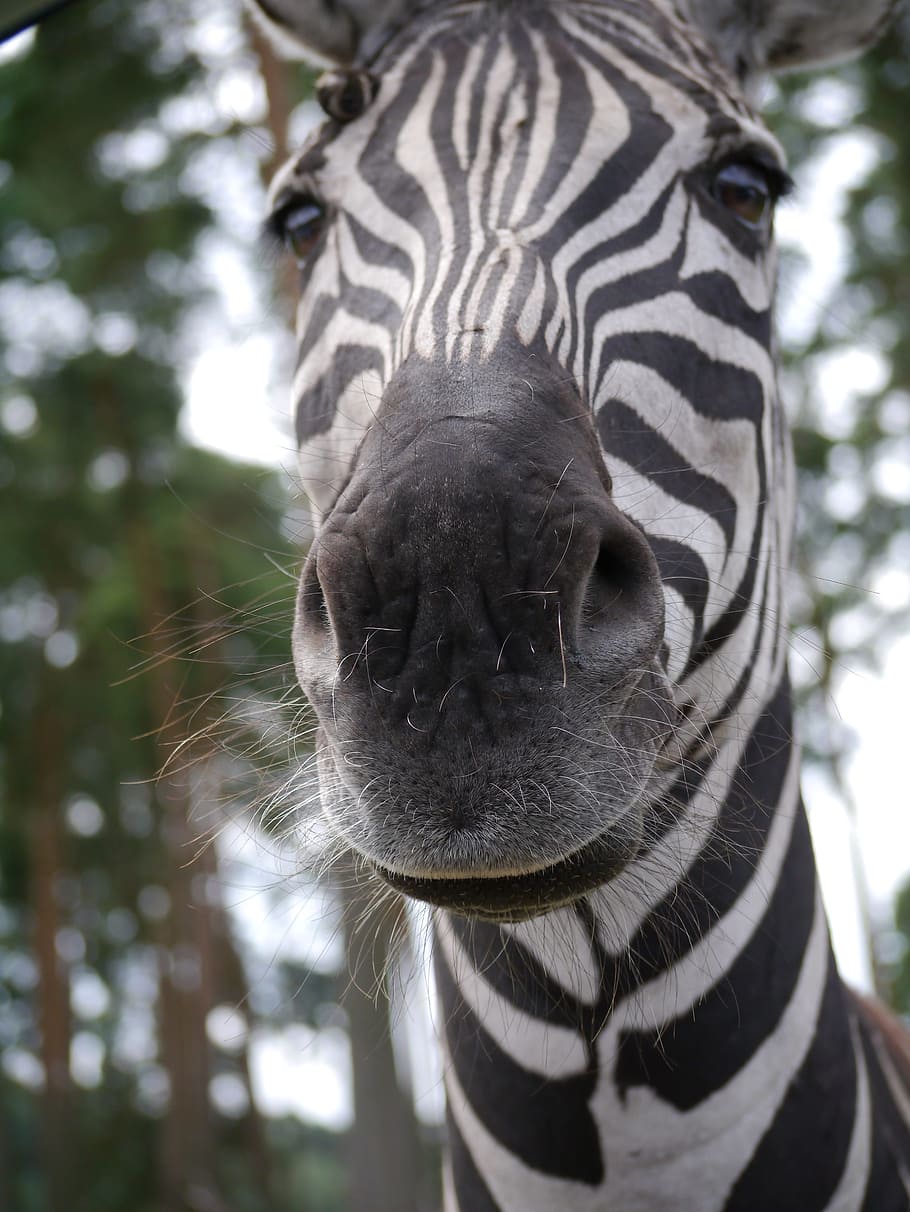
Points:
[271,233]
[278,233]
[780,182]
[750,236]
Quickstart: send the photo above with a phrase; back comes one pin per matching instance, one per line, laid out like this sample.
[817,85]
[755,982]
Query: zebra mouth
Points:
[515,898]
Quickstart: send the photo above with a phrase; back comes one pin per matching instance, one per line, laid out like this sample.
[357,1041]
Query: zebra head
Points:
[538,420]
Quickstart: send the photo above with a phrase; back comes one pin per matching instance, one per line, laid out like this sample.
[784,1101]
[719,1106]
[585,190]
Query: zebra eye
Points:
[301,227]
[746,191]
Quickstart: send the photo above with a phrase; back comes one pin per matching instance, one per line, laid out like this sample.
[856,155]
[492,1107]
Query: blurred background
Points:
[190,1019]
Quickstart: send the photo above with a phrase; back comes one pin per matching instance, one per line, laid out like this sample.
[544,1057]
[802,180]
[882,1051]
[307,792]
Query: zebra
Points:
[542,623]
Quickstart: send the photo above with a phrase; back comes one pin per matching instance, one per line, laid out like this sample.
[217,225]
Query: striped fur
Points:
[528,201]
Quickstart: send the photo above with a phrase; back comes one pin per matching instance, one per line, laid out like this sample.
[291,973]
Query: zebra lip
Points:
[514,898]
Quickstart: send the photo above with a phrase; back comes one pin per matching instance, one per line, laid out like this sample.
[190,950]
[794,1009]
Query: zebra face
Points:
[537,415]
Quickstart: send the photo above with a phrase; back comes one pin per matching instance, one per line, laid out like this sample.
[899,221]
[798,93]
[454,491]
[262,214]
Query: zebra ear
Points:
[339,32]
[776,35]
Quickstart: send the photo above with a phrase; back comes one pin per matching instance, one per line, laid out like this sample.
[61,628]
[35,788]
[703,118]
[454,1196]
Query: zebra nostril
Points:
[609,585]
[624,576]
[621,605]
[313,607]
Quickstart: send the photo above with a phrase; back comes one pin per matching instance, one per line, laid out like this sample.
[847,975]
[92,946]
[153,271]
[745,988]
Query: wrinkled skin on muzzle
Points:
[479,630]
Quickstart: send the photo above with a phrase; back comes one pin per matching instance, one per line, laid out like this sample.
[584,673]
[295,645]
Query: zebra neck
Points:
[728,876]
[610,1042]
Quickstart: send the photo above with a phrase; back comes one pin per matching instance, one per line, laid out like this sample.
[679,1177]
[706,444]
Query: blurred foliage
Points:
[853,452]
[847,382]
[136,575]
[899,969]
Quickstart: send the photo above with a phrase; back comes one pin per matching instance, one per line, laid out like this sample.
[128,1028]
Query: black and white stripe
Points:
[529,195]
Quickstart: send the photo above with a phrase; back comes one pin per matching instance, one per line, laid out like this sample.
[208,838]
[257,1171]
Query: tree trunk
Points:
[383,1147]
[46,865]
[188,1171]
[228,979]
[187,1134]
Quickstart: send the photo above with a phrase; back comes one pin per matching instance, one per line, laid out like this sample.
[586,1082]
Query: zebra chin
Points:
[464,833]
[516,898]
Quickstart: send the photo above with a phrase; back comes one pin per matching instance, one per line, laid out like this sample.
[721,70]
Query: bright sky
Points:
[876,709]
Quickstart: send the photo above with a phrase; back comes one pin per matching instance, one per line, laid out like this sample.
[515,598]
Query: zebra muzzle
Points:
[478,631]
